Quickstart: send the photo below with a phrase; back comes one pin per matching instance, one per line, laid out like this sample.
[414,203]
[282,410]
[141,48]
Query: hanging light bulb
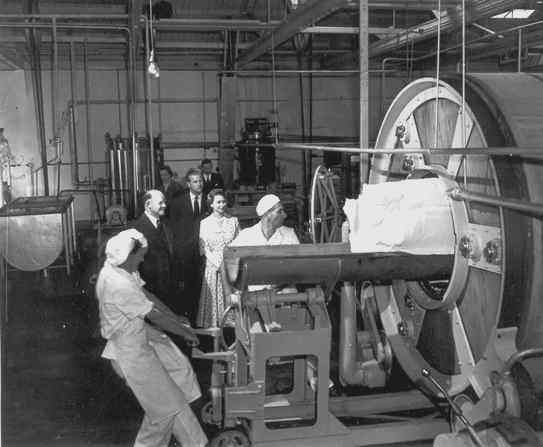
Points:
[152,67]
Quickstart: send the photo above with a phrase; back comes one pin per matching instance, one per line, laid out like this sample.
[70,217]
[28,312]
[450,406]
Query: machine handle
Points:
[456,409]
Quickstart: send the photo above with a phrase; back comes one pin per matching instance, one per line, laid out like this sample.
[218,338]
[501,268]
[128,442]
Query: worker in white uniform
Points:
[271,231]
[160,376]
[268,231]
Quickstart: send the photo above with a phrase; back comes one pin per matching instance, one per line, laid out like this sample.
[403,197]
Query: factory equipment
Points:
[256,155]
[465,327]
[121,166]
[46,225]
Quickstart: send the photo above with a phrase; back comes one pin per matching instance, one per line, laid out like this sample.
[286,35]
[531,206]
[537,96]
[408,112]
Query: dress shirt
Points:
[199,198]
[154,220]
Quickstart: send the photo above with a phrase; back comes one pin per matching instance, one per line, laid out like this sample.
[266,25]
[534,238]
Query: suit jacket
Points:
[157,266]
[185,227]
[216,181]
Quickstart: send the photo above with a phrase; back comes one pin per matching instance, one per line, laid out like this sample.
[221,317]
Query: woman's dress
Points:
[216,232]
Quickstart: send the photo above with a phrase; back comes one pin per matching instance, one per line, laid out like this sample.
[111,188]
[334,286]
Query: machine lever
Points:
[455,408]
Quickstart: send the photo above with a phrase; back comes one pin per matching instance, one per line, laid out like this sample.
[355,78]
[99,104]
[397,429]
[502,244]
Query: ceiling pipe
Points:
[64,16]
[481,39]
[302,17]
[479,10]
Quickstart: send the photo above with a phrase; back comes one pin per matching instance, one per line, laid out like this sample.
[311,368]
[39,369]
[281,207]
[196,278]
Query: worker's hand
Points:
[184,320]
[190,338]
[193,343]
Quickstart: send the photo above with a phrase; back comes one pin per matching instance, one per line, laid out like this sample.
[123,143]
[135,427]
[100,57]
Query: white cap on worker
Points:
[266,203]
[121,245]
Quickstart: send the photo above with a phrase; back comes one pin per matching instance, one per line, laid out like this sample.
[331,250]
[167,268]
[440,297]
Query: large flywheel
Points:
[325,214]
[450,327]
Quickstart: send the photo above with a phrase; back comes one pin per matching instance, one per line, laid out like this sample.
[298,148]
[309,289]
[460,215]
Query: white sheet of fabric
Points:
[412,216]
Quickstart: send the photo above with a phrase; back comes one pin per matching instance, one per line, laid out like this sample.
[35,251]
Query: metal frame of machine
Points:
[480,386]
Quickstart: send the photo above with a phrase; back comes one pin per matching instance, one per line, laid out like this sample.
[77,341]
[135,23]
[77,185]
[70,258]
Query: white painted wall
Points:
[184,109]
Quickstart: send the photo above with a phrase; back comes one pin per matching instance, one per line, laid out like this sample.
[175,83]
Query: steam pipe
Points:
[87,108]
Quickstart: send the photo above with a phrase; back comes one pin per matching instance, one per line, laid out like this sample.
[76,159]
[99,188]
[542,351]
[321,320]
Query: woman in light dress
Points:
[216,232]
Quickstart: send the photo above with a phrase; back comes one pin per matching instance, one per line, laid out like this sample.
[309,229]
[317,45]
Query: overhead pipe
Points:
[86,89]
[522,206]
[38,101]
[304,15]
[479,9]
[54,83]
[149,103]
[131,106]
[64,16]
[480,39]
[534,153]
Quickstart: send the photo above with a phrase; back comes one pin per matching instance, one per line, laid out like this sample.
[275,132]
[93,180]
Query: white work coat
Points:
[160,376]
[254,236]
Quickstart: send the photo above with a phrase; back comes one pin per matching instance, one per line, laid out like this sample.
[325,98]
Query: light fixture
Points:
[516,13]
[152,65]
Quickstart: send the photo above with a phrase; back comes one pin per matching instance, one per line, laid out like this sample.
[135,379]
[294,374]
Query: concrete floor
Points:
[57,391]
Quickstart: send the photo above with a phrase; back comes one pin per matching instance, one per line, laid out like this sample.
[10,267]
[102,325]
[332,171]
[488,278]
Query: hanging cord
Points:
[151,40]
[464,142]
[274,92]
[437,71]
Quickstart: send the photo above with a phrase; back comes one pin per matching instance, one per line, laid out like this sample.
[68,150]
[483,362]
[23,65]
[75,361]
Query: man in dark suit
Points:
[157,266]
[211,179]
[186,211]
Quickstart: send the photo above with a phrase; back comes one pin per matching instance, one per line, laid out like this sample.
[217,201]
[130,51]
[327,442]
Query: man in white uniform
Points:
[159,375]
[270,231]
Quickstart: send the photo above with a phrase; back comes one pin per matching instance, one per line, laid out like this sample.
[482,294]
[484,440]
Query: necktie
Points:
[196,208]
